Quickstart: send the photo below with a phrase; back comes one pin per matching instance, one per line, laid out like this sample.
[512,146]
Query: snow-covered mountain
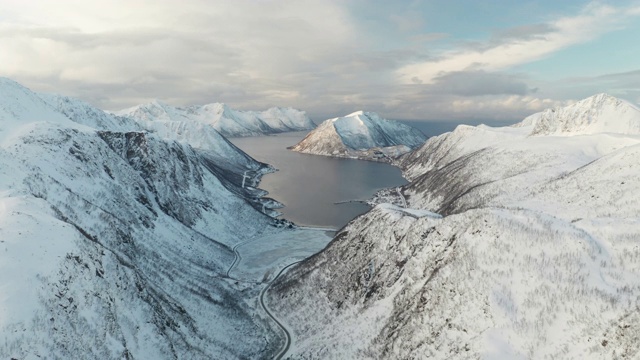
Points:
[228,122]
[601,113]
[537,254]
[115,242]
[84,113]
[222,158]
[362,135]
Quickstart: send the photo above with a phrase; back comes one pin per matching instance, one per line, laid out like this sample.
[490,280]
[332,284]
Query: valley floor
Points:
[260,260]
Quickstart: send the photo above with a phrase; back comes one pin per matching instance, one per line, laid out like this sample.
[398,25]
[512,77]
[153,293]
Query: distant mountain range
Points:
[228,122]
[361,135]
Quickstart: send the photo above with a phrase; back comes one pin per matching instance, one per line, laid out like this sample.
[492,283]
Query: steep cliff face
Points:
[536,256]
[115,242]
[362,135]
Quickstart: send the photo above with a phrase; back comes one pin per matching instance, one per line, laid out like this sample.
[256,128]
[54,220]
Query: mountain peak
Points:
[9,86]
[601,113]
[217,108]
[361,135]
[20,106]
[9,82]
[157,103]
[356,113]
[600,100]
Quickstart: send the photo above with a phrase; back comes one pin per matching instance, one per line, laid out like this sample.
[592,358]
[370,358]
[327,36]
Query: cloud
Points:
[514,104]
[625,85]
[479,82]
[522,44]
[188,52]
[318,55]
[407,21]
[429,37]
[616,82]
[502,108]
[523,32]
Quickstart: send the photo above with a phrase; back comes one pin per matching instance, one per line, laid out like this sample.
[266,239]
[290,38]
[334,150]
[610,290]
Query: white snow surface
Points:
[86,114]
[220,117]
[114,242]
[363,135]
[536,255]
[205,138]
[600,113]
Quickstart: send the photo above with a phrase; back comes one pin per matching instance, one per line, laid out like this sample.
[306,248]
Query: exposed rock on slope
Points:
[538,255]
[220,117]
[114,242]
[361,135]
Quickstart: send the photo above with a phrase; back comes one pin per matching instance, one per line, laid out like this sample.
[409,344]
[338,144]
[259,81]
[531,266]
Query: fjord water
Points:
[311,187]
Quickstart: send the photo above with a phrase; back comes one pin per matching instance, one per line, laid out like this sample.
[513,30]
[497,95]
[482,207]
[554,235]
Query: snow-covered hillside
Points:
[230,164]
[600,113]
[228,122]
[84,113]
[537,255]
[114,242]
[362,135]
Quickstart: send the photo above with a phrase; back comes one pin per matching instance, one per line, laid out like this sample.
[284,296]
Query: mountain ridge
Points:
[228,122]
[596,114]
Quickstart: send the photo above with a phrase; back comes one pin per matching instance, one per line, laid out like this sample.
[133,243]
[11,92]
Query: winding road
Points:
[404,201]
[237,257]
[287,335]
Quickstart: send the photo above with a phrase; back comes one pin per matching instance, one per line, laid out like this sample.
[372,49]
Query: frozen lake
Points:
[310,186]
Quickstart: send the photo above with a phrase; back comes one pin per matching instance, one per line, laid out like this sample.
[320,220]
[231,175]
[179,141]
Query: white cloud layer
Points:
[595,20]
[314,54]
[229,48]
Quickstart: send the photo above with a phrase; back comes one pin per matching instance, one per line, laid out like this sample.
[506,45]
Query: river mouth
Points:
[317,190]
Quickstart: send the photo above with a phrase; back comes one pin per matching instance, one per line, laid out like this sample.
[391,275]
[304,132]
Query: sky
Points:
[454,60]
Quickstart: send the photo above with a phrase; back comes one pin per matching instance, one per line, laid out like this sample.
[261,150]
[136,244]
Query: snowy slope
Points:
[537,255]
[361,135]
[223,119]
[83,113]
[224,158]
[21,110]
[115,244]
[600,113]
